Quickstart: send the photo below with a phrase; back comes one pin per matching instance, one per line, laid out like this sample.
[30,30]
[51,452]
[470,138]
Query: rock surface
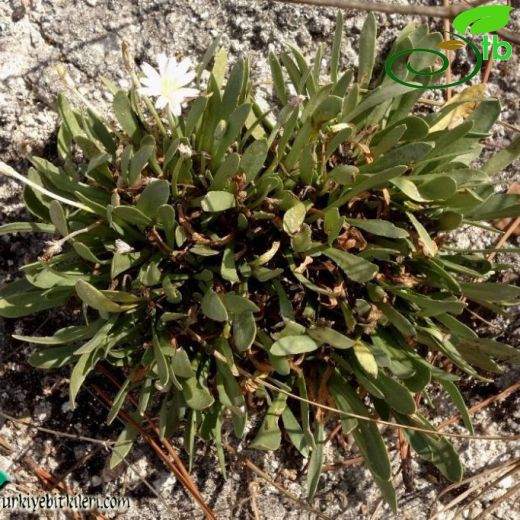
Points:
[85,37]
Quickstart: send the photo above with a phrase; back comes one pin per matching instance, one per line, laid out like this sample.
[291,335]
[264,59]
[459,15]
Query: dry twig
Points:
[418,9]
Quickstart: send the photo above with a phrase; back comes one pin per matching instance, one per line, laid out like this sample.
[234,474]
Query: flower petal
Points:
[184,65]
[161,102]
[150,72]
[187,92]
[187,78]
[150,91]
[162,61]
[175,108]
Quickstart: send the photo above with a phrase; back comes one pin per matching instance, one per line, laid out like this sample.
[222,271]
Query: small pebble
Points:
[506,482]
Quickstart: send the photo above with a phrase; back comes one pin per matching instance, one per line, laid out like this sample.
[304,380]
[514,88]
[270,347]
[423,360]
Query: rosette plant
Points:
[227,261]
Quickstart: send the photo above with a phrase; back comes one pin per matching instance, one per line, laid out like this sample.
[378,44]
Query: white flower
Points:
[123,247]
[169,83]
[184,150]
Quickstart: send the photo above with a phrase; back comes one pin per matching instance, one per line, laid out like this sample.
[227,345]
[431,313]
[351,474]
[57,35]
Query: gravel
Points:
[85,37]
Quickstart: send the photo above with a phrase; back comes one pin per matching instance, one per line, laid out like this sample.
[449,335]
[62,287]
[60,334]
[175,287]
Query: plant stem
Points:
[5,169]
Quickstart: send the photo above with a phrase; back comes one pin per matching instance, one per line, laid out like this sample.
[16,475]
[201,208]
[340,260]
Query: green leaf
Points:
[86,253]
[302,241]
[150,274]
[377,96]
[365,358]
[503,158]
[291,345]
[340,89]
[26,227]
[440,188]
[409,154]
[20,299]
[197,109]
[327,110]
[336,47]
[499,205]
[295,432]
[235,124]
[400,322]
[332,146]
[356,268]
[431,306]
[56,357]
[181,365]
[79,373]
[378,227]
[344,174]
[227,170]
[455,327]
[230,393]
[458,400]
[95,298]
[101,132]
[316,461]
[131,215]
[369,182]
[207,57]
[58,217]
[491,348]
[294,218]
[395,394]
[61,337]
[215,201]
[125,115]
[196,394]
[367,50]
[278,80]
[228,268]
[233,89]
[331,337]
[438,450]
[366,434]
[140,160]
[202,250]
[166,220]
[244,330]
[160,359]
[153,197]
[301,140]
[123,445]
[429,246]
[492,292]
[269,435]
[213,307]
[253,159]
[100,339]
[68,116]
[220,66]
[237,304]
[449,221]
[145,394]
[91,149]
[121,262]
[332,224]
[118,401]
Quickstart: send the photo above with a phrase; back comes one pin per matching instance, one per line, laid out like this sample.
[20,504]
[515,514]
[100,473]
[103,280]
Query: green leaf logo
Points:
[480,20]
[4,479]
